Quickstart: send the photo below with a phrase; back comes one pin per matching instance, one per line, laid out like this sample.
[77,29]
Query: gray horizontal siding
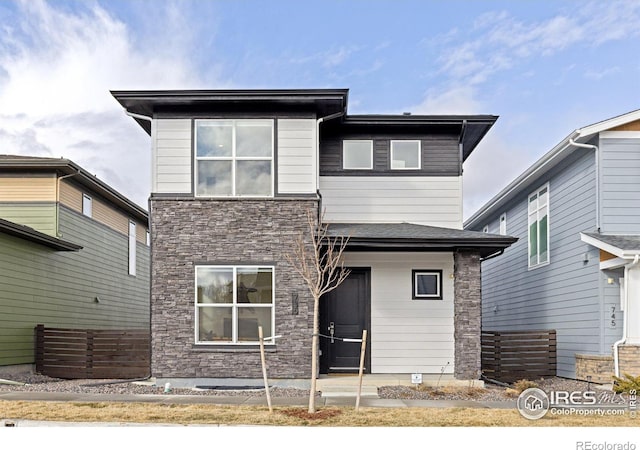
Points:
[563,295]
[440,155]
[620,171]
[38,285]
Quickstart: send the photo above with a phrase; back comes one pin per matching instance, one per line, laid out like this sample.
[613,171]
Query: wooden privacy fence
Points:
[74,353]
[509,356]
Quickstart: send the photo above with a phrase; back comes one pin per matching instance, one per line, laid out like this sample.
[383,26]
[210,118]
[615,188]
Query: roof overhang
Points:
[63,167]
[471,129]
[413,237]
[31,235]
[550,160]
[322,102]
[622,246]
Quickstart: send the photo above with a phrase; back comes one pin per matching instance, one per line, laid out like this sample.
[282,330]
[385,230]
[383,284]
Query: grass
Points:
[288,416]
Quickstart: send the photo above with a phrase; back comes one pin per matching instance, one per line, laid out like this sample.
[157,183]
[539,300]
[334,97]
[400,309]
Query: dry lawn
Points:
[288,416]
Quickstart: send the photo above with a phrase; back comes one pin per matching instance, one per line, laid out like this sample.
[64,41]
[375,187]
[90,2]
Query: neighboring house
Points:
[234,174]
[574,268]
[73,254]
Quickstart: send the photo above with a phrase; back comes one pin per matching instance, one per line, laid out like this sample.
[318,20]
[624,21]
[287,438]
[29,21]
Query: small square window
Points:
[357,155]
[503,224]
[405,155]
[427,284]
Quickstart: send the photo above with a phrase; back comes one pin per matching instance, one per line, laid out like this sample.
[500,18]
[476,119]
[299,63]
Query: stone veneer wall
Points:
[598,367]
[467,315]
[629,359]
[189,232]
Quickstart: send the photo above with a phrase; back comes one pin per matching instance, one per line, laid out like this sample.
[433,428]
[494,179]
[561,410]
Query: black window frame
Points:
[415,273]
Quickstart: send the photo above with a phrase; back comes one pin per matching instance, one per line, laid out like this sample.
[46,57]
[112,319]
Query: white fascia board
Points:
[610,123]
[614,263]
[620,135]
[619,252]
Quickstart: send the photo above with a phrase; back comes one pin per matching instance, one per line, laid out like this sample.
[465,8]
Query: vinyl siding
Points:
[563,295]
[435,201]
[28,188]
[408,335]
[620,173]
[39,216]
[171,159]
[296,156]
[38,285]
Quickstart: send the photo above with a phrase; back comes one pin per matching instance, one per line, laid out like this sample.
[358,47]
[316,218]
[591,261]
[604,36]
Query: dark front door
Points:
[344,314]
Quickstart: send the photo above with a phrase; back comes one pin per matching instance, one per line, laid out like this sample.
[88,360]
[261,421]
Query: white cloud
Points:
[600,74]
[453,100]
[57,69]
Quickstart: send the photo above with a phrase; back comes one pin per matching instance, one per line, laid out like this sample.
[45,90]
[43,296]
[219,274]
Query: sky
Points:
[545,67]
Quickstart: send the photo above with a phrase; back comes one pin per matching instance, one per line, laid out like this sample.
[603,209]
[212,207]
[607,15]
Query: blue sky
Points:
[545,67]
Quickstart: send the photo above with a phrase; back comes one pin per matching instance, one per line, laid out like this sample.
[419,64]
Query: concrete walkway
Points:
[342,400]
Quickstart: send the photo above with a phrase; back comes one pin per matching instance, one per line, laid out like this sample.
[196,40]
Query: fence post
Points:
[89,361]
[39,348]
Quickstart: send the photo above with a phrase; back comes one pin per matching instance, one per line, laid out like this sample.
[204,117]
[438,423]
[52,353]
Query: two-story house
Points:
[73,254]
[234,174]
[575,267]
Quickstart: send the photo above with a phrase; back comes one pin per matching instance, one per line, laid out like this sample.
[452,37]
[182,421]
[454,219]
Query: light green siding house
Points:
[73,254]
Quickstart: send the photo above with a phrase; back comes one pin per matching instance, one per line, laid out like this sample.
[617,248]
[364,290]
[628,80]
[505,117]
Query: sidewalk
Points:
[343,400]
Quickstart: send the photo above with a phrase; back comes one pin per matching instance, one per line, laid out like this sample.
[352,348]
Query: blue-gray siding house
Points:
[575,269]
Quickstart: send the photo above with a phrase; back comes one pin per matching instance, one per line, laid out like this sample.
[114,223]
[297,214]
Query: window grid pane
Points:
[538,227]
[231,302]
[405,155]
[357,155]
[234,158]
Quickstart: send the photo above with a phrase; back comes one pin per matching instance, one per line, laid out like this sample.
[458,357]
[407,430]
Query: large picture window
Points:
[234,158]
[539,227]
[231,302]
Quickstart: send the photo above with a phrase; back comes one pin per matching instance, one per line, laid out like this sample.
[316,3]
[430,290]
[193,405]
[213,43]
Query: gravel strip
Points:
[41,383]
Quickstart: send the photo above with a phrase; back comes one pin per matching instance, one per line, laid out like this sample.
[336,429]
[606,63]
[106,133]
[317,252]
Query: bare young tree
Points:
[321,266]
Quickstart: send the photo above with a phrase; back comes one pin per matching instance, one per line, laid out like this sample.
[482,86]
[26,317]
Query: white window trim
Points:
[88,213]
[233,306]
[438,295]
[419,154]
[485,229]
[548,261]
[502,223]
[132,248]
[370,142]
[233,158]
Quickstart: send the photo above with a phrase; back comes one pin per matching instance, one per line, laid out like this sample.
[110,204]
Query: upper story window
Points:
[234,158]
[357,154]
[539,227]
[132,248]
[405,155]
[503,224]
[87,206]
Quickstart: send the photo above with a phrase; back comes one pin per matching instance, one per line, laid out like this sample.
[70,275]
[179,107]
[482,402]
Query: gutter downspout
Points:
[597,169]
[58,235]
[493,255]
[318,122]
[616,358]
[138,116]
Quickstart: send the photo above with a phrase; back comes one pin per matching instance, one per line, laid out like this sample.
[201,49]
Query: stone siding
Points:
[629,359]
[190,232]
[598,367]
[467,315]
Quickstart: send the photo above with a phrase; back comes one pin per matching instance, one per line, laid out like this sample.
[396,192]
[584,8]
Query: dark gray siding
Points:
[440,154]
[563,295]
[58,289]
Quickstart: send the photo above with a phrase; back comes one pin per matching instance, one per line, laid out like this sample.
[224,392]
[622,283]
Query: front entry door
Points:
[344,314]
